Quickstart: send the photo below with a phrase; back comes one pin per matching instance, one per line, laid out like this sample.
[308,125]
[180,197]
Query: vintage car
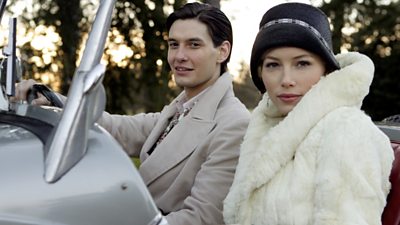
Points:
[57,166]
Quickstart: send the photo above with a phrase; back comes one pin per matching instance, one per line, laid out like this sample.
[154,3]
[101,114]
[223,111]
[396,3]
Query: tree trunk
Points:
[215,3]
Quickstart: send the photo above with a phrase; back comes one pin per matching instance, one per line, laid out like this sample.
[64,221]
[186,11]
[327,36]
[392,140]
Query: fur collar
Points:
[271,140]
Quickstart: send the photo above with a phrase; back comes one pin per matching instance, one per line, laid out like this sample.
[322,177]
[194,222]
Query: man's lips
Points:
[182,71]
[181,68]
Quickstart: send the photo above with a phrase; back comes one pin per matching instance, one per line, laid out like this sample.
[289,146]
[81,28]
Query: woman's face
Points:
[288,73]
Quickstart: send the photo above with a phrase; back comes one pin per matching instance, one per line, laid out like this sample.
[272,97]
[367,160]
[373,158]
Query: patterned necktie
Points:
[175,119]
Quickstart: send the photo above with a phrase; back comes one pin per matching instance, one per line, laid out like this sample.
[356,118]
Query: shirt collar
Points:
[183,103]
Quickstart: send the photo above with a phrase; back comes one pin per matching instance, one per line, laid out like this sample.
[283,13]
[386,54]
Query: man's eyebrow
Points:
[188,40]
[195,39]
[171,39]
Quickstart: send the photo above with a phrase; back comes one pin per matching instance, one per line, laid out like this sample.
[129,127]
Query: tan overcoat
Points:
[189,173]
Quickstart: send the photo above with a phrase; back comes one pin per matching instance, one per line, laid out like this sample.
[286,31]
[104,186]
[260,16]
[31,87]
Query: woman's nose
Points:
[287,78]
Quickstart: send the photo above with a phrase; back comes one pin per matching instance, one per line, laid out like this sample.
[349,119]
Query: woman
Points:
[310,155]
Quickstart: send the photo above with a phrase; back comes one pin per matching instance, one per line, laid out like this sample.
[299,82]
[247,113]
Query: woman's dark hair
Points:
[218,25]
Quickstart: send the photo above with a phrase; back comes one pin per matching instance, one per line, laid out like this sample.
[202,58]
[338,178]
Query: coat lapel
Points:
[186,135]
[159,128]
[176,147]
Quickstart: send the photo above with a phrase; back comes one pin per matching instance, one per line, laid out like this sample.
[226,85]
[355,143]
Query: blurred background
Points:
[51,34]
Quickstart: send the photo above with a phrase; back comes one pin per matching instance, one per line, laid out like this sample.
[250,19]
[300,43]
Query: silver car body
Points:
[103,188]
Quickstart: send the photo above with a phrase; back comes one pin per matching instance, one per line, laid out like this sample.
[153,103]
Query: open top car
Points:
[57,166]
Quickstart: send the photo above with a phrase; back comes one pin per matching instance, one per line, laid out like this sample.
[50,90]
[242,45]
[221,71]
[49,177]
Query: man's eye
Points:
[271,65]
[173,44]
[194,45]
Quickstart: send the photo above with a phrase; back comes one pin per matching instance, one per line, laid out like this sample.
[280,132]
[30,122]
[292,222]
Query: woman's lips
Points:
[289,98]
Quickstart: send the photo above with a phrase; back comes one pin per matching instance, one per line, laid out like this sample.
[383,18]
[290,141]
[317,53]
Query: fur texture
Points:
[324,163]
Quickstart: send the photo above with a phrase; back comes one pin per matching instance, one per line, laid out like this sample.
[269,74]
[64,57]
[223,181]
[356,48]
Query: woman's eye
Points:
[303,63]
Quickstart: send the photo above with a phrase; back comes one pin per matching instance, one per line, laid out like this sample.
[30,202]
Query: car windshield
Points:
[10,133]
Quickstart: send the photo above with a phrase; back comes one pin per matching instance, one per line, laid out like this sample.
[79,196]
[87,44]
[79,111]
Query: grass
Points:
[136,161]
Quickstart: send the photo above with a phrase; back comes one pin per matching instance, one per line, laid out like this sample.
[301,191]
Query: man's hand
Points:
[23,89]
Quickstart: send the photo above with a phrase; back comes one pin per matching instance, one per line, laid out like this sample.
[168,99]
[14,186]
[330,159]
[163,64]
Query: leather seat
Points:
[391,213]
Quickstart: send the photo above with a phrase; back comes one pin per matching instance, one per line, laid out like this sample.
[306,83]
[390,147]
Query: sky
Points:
[245,18]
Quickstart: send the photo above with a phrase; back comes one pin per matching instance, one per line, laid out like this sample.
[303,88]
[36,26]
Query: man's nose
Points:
[181,54]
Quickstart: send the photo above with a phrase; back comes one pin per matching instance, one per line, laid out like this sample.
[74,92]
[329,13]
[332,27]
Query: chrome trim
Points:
[86,101]
[392,130]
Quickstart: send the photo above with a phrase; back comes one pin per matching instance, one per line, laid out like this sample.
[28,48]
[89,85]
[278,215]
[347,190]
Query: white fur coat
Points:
[325,163]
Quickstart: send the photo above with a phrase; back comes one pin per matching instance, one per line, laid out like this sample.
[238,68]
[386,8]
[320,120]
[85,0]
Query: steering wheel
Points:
[46,92]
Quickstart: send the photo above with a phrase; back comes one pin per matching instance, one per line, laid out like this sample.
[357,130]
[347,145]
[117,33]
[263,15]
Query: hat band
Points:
[301,23]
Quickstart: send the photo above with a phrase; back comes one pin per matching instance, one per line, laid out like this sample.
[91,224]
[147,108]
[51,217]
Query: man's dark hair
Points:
[218,25]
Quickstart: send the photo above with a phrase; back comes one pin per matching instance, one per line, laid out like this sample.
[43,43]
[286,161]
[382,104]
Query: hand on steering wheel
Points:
[36,94]
[44,91]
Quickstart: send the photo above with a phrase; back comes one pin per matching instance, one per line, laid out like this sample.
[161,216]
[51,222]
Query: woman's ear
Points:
[224,50]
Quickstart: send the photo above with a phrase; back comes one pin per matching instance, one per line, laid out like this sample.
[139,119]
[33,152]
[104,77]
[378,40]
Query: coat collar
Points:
[271,140]
[194,128]
[206,108]
[207,105]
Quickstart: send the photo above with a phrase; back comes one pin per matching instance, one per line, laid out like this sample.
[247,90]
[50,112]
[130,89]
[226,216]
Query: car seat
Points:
[391,212]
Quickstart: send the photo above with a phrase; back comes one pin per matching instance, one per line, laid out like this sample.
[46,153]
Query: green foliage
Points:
[136,161]
[376,34]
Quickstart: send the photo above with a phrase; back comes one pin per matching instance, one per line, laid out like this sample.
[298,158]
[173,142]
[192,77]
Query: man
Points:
[189,150]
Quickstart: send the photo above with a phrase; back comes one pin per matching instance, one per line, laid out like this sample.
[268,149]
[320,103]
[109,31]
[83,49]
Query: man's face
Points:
[193,59]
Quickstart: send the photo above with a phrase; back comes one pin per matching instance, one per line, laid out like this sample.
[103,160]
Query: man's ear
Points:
[224,50]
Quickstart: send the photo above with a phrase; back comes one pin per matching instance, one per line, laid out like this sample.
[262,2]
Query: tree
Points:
[145,82]
[372,28]
[139,81]
[145,79]
[245,89]
[215,3]
[69,26]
